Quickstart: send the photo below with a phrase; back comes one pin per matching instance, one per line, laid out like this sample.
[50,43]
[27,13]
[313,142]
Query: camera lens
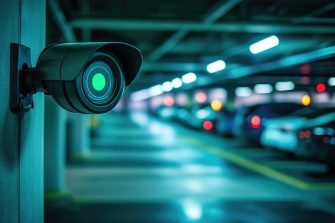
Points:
[98,82]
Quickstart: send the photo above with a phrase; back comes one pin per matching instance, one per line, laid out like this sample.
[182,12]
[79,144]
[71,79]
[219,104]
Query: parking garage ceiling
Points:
[177,37]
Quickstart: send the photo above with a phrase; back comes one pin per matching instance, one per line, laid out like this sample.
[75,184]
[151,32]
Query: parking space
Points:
[162,172]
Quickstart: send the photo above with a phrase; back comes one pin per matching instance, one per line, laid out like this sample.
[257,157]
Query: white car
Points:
[281,133]
[201,113]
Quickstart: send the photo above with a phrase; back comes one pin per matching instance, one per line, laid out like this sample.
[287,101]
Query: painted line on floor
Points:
[260,169]
[56,195]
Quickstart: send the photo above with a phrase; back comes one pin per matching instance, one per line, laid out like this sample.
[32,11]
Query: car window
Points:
[304,112]
[278,108]
[320,112]
[321,120]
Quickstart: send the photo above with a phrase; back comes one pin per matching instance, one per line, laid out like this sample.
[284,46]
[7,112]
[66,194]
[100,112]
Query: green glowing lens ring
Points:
[92,102]
[102,95]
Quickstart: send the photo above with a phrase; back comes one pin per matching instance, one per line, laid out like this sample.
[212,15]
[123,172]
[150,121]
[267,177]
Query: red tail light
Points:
[305,134]
[255,122]
[207,125]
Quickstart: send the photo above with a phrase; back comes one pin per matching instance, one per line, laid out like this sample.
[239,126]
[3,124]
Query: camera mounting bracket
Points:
[20,59]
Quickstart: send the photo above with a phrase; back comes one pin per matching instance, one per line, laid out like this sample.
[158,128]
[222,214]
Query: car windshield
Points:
[276,108]
[320,113]
[304,112]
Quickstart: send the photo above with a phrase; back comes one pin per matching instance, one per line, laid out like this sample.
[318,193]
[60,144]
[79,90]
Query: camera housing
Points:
[81,77]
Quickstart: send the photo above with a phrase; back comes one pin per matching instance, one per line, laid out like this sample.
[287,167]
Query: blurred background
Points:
[231,119]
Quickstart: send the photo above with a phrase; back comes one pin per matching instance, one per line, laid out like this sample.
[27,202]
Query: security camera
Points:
[81,77]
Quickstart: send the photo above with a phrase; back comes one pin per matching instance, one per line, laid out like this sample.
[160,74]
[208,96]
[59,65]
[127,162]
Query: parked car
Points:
[249,121]
[182,115]
[281,133]
[173,113]
[318,142]
[164,112]
[225,122]
[202,117]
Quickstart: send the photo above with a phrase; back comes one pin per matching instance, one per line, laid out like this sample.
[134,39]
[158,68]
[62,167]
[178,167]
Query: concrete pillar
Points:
[230,97]
[21,138]
[78,136]
[54,149]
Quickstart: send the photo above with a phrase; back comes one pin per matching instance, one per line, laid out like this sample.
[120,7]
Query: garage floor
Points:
[145,170]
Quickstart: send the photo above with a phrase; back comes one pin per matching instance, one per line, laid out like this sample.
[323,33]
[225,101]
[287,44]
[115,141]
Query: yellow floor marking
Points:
[56,195]
[261,169]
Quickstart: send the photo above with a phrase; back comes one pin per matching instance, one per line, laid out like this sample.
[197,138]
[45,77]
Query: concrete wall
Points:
[21,141]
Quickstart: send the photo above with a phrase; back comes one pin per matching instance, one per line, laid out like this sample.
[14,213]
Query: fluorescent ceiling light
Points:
[264,44]
[284,86]
[263,88]
[243,91]
[331,81]
[177,83]
[216,66]
[139,95]
[167,86]
[155,90]
[189,78]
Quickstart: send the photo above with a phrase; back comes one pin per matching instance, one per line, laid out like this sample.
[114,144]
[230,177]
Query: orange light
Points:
[320,88]
[255,122]
[208,125]
[306,100]
[169,101]
[201,97]
[216,105]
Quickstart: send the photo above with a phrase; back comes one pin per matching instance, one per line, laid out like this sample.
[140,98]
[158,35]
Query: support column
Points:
[78,136]
[54,150]
[21,137]
[230,101]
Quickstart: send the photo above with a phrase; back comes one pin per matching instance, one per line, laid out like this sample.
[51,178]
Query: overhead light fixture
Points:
[139,95]
[264,44]
[263,88]
[331,81]
[155,90]
[177,83]
[189,78]
[243,92]
[284,86]
[216,66]
[167,86]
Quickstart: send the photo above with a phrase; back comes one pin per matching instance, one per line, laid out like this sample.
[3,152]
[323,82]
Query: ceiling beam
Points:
[228,27]
[61,21]
[211,18]
[270,66]
[173,67]
[320,11]
[85,9]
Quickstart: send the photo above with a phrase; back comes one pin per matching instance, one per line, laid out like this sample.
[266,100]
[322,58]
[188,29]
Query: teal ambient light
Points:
[98,81]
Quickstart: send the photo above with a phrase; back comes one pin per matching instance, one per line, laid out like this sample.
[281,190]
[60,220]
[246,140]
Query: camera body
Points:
[83,77]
